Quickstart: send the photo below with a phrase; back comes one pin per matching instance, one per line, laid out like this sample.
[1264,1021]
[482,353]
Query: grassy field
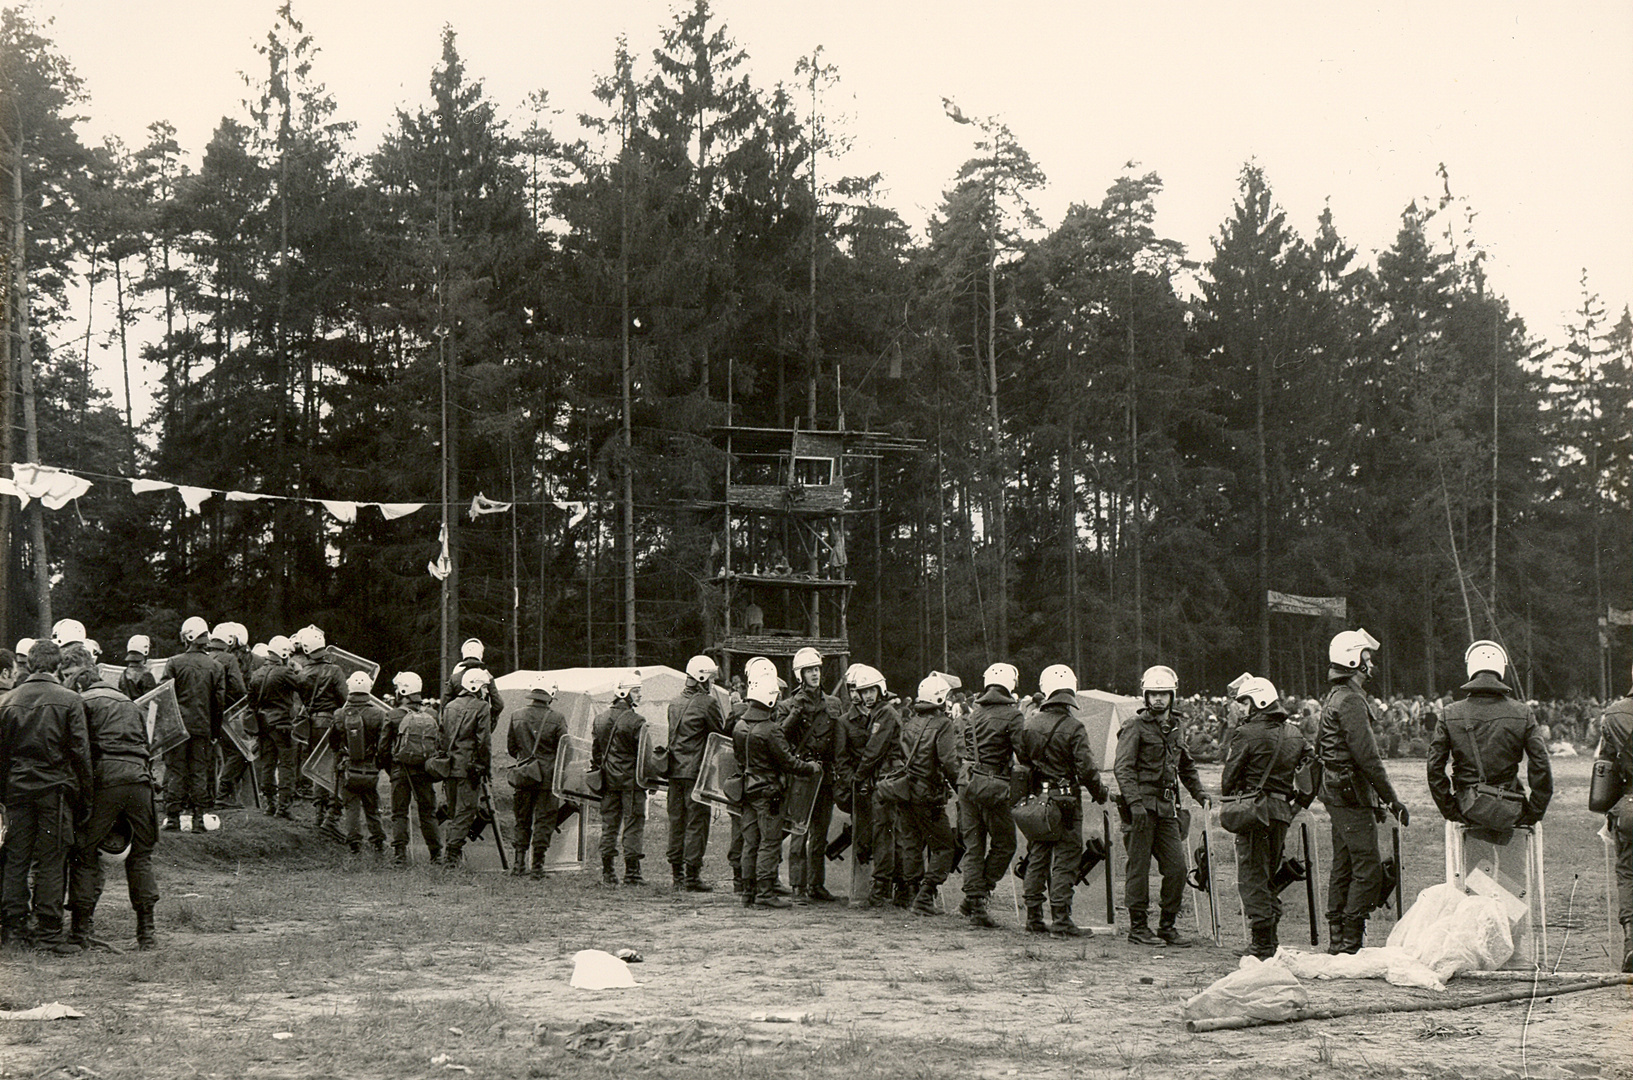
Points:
[281,956]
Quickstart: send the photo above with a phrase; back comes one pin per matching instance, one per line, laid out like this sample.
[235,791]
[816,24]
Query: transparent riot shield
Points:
[1512,873]
[319,766]
[717,766]
[161,710]
[652,750]
[350,662]
[572,765]
[799,803]
[232,725]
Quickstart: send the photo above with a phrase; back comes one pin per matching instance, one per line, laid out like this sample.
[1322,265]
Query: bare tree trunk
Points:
[124,363]
[25,366]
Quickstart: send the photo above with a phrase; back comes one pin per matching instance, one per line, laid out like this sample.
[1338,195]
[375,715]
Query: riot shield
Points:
[800,801]
[572,763]
[165,728]
[232,725]
[350,662]
[319,766]
[652,752]
[718,764]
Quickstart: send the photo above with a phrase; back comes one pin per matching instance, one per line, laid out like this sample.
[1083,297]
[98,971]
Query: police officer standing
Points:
[693,718]
[1152,762]
[1481,740]
[988,826]
[1265,756]
[201,694]
[881,756]
[323,686]
[809,717]
[1054,748]
[536,730]
[615,747]
[767,762]
[467,732]
[414,733]
[275,695]
[1613,784]
[926,836]
[1353,781]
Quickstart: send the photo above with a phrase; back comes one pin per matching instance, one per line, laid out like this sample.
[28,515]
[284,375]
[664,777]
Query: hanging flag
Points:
[245,496]
[345,511]
[1331,606]
[481,504]
[53,487]
[142,487]
[393,511]
[578,511]
[443,564]
[193,497]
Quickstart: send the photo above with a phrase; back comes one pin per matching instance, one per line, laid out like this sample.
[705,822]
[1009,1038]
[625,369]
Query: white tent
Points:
[581,692]
[1103,715]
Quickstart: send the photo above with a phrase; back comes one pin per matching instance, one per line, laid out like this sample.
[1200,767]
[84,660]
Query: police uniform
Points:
[411,785]
[809,719]
[1353,781]
[323,686]
[615,747]
[766,761]
[692,720]
[1152,762]
[1489,730]
[1616,747]
[201,694]
[535,731]
[881,756]
[1054,748]
[990,735]
[275,695]
[1264,746]
[467,732]
[926,836]
[355,737]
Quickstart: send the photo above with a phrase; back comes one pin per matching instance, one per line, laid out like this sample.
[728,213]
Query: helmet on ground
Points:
[1159,678]
[407,682]
[280,646]
[763,692]
[629,684]
[1259,691]
[67,631]
[1349,649]
[1004,675]
[701,669]
[473,649]
[194,629]
[359,682]
[759,668]
[1055,678]
[139,645]
[309,640]
[806,658]
[542,684]
[933,690]
[474,679]
[861,677]
[1486,656]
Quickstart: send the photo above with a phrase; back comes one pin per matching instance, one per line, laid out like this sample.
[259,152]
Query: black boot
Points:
[81,931]
[924,900]
[737,881]
[144,928]
[518,862]
[609,875]
[1139,933]
[903,892]
[1169,933]
[1355,932]
[537,873]
[632,870]
[769,897]
[1335,936]
[1034,920]
[677,877]
[1265,943]
[399,855]
[746,888]
[695,882]
[1063,926]
[979,916]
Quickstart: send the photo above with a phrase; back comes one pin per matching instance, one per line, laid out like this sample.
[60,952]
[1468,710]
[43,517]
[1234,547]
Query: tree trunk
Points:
[25,366]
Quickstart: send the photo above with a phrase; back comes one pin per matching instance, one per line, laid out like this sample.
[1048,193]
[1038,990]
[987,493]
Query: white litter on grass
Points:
[283,1035]
[54,1011]
[597,970]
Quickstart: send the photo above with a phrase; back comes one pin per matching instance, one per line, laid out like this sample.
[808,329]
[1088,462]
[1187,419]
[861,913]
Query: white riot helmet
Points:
[933,690]
[806,658]
[762,692]
[280,647]
[629,686]
[701,669]
[223,633]
[542,684]
[96,648]
[1004,675]
[23,645]
[1260,692]
[408,682]
[1056,678]
[194,629]
[359,682]
[67,631]
[115,846]
[240,635]
[760,668]
[1349,648]
[473,649]
[1486,656]
[861,676]
[1159,678]
[1233,689]
[139,645]
[260,649]
[309,640]
[474,680]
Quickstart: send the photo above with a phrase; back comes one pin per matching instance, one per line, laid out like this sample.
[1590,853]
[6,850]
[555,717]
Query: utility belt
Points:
[1343,785]
[1061,789]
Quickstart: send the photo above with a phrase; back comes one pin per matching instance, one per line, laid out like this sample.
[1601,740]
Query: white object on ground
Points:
[1265,990]
[597,970]
[54,1011]
[1397,966]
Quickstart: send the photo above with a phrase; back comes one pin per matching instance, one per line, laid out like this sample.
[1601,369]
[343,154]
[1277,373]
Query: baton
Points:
[498,838]
[1605,835]
[1309,883]
[1213,881]
[1105,831]
[1400,872]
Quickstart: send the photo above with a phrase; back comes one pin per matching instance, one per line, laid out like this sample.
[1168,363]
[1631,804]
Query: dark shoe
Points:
[965,907]
[695,882]
[609,876]
[782,890]
[1335,938]
[537,873]
[924,901]
[65,948]
[902,893]
[745,887]
[518,863]
[144,929]
[821,895]
[800,899]
[772,900]
[632,872]
[677,877]
[435,856]
[979,917]
[399,856]
[172,823]
[1063,926]
[1141,934]
[1034,921]
[1355,932]
[81,931]
[1170,935]
[1265,944]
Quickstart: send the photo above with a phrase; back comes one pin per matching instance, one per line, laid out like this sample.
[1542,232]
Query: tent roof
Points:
[598,681]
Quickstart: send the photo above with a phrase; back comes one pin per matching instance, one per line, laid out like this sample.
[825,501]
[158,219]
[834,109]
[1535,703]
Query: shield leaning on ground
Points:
[800,802]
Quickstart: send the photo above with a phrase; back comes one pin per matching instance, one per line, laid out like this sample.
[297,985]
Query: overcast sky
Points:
[1530,106]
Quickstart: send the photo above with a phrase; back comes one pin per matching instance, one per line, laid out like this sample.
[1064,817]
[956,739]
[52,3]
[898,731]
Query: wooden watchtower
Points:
[783,571]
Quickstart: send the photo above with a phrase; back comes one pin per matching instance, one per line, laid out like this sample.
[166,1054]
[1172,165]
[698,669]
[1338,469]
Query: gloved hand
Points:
[1098,792]
[813,768]
[1138,815]
[1528,816]
[1401,813]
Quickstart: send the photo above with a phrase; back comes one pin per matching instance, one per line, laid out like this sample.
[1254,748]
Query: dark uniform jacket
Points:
[276,695]
[536,722]
[616,744]
[467,732]
[233,673]
[323,686]
[699,716]
[1152,762]
[930,750]
[808,719]
[764,755]
[375,752]
[45,743]
[1616,739]
[851,733]
[201,692]
[1351,767]
[882,753]
[453,689]
[1054,747]
[1498,727]
[118,731]
[993,729]
[136,680]
[1265,740]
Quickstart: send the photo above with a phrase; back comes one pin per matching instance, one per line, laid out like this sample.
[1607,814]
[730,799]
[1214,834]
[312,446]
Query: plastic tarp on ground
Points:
[1103,715]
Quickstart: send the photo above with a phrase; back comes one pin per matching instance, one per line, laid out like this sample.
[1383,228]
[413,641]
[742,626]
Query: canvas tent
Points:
[583,692]
[1103,715]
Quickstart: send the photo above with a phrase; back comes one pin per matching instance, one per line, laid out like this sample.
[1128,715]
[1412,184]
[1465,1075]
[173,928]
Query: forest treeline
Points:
[1126,444]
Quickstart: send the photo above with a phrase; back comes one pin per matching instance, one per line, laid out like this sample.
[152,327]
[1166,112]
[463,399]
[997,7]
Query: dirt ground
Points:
[283,957]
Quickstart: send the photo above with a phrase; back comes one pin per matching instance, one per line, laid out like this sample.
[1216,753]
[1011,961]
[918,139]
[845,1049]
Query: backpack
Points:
[419,736]
[357,753]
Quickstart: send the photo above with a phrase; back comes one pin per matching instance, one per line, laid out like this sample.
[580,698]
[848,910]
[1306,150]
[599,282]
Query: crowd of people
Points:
[926,782]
